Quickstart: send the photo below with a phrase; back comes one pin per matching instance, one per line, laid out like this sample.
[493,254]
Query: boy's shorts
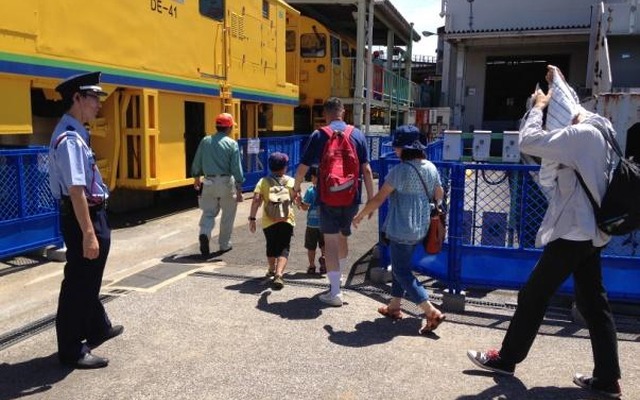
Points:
[337,219]
[313,238]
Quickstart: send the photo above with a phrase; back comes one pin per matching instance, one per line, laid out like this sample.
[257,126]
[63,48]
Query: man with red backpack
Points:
[340,151]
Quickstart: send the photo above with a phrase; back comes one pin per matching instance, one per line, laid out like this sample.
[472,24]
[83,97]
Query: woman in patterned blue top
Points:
[407,221]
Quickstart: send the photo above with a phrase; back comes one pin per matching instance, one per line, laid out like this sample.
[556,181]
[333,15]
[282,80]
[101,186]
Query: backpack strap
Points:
[329,131]
[611,140]
[596,208]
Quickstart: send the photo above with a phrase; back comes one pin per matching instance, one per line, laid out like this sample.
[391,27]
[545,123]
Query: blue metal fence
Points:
[254,159]
[28,212]
[494,212]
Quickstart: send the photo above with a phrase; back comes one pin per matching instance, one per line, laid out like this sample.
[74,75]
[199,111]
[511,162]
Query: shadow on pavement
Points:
[510,387]
[30,377]
[380,330]
[294,309]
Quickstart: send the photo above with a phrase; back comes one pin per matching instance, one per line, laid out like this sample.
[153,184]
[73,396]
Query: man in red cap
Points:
[217,171]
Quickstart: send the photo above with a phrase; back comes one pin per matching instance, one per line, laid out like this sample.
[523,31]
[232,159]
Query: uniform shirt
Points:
[262,188]
[317,140]
[409,206]
[577,147]
[313,213]
[72,162]
[218,154]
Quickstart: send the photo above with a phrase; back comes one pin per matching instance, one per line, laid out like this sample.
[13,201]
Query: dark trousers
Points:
[81,315]
[561,259]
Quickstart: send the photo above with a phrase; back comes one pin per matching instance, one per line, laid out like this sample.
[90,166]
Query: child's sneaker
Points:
[270,274]
[311,270]
[278,282]
[610,390]
[323,265]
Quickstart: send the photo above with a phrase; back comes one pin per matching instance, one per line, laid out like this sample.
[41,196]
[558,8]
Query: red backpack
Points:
[339,169]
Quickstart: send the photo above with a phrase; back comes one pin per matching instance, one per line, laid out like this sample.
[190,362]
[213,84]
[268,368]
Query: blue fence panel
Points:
[255,164]
[377,145]
[494,213]
[28,212]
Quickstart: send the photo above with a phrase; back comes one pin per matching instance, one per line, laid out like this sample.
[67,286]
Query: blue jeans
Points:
[404,282]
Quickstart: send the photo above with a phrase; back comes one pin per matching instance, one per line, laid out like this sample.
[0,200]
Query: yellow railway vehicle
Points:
[169,67]
[326,68]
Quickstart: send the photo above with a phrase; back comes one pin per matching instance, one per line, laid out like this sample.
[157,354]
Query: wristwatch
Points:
[251,218]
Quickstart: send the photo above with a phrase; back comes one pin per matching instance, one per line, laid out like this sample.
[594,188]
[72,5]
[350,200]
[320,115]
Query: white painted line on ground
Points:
[166,235]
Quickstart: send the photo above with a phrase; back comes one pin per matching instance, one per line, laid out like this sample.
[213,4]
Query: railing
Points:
[28,212]
[388,86]
[494,212]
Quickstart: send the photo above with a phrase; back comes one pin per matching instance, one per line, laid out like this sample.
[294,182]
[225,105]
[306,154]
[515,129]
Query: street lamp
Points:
[427,33]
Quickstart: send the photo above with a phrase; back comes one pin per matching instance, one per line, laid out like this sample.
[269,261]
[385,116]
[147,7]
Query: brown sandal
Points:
[432,323]
[395,315]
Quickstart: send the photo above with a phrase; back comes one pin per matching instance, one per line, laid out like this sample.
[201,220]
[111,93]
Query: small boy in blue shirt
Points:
[313,238]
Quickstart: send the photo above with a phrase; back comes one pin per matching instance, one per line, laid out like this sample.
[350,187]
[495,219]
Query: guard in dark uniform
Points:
[81,323]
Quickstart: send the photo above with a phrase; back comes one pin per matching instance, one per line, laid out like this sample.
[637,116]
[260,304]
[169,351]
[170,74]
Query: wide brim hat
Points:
[407,137]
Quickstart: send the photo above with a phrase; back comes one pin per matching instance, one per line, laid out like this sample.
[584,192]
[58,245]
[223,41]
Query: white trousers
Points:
[218,194]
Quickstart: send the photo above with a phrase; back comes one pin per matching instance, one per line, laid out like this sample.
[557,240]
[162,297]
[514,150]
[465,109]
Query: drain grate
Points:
[18,335]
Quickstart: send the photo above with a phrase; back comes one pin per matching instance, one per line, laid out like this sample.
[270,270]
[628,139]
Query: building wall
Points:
[515,14]
[474,84]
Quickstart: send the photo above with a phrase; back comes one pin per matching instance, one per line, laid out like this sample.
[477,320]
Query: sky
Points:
[425,15]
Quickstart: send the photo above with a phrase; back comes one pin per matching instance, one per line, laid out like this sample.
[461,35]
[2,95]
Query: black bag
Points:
[619,212]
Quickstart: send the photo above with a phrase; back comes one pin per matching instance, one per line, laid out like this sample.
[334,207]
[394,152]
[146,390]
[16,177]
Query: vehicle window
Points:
[213,9]
[313,45]
[335,50]
[291,41]
[345,49]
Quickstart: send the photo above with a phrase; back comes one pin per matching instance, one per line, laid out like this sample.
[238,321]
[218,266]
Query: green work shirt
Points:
[218,154]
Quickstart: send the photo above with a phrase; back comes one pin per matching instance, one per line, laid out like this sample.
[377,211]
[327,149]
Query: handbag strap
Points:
[424,185]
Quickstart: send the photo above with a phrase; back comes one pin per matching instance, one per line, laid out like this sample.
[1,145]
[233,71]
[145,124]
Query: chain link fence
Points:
[28,211]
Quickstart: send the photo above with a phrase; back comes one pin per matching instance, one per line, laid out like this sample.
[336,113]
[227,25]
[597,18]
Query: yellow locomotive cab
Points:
[169,67]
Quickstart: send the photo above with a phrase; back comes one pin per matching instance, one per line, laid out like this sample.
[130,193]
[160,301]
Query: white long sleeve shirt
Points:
[578,147]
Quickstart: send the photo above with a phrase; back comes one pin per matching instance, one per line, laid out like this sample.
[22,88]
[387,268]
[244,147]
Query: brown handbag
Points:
[435,235]
[432,243]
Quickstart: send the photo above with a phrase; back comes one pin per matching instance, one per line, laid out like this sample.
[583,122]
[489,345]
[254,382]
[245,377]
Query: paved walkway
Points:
[214,329]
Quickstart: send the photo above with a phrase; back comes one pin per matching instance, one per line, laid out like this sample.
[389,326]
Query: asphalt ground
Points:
[215,329]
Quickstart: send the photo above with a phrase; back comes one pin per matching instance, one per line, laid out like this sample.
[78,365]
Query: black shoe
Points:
[491,361]
[87,361]
[204,245]
[610,390]
[114,331]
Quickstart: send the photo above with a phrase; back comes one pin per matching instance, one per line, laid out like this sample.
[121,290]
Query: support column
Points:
[390,39]
[367,115]
[408,70]
[458,108]
[358,99]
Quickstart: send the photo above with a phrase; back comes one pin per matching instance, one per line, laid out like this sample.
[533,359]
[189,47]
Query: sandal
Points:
[311,270]
[395,315]
[432,323]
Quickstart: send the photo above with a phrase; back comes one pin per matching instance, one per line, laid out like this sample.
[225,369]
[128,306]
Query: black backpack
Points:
[619,212]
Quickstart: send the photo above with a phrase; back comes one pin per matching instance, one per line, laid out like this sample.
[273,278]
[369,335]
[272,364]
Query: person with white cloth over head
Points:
[569,234]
